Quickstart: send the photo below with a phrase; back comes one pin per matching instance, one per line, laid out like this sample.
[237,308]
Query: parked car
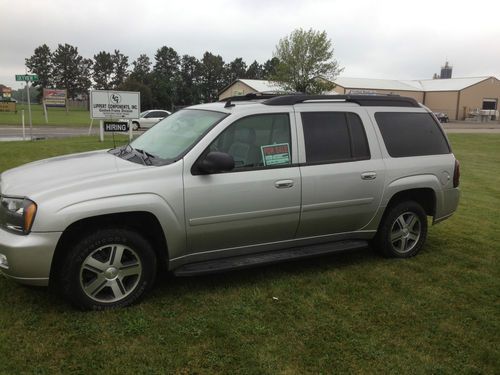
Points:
[149,118]
[225,186]
[441,116]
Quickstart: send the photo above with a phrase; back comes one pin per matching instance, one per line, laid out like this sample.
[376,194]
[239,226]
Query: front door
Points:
[256,203]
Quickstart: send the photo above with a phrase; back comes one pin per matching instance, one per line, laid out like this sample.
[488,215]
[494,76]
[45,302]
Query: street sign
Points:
[26,77]
[115,126]
[114,104]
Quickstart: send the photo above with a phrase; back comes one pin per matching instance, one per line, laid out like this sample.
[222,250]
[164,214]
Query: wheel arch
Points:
[143,222]
[424,196]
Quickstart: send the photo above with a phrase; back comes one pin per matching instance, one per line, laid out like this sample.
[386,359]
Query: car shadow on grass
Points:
[169,284]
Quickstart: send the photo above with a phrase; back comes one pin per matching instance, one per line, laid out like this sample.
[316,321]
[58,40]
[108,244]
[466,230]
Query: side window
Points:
[257,141]
[334,137]
[157,114]
[411,134]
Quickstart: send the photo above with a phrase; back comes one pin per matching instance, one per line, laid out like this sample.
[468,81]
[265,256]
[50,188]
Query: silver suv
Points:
[229,185]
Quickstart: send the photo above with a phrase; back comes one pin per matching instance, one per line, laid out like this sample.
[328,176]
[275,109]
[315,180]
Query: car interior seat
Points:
[243,149]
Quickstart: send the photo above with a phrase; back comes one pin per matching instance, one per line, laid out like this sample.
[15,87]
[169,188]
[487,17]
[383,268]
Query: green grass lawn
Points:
[56,116]
[436,313]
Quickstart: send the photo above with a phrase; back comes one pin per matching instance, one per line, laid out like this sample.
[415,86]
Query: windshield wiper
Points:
[127,152]
[125,149]
[146,155]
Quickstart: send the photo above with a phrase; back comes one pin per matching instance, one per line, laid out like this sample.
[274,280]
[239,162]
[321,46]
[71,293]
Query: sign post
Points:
[28,78]
[114,105]
[24,130]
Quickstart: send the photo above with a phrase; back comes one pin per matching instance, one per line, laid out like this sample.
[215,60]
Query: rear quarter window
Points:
[411,134]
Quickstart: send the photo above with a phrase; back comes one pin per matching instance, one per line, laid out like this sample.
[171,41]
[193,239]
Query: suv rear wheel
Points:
[403,230]
[107,269]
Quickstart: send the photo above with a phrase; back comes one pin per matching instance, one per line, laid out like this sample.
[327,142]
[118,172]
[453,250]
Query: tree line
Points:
[302,62]
[167,81]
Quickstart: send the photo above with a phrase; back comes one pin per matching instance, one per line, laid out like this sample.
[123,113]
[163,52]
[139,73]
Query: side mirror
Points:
[216,162]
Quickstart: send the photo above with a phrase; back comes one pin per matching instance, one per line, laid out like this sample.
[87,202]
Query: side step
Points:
[270,257]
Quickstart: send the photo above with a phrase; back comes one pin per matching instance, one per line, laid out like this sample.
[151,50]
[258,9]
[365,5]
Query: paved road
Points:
[14,133]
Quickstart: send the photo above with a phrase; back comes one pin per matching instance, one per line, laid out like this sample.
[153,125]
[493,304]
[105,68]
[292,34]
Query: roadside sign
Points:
[26,77]
[114,104]
[55,97]
[115,126]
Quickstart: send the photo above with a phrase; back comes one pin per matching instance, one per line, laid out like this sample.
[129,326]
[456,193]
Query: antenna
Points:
[228,104]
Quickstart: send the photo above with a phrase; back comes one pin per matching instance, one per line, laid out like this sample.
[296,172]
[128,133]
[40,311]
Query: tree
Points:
[142,69]
[71,71]
[41,64]
[130,84]
[83,82]
[254,71]
[269,68]
[165,77]
[306,62]
[235,69]
[120,67]
[188,90]
[212,76]
[103,71]
[21,96]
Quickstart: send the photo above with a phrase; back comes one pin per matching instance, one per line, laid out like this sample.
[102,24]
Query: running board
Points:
[265,258]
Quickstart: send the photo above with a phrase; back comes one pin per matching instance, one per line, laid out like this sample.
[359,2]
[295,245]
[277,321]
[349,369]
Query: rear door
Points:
[341,166]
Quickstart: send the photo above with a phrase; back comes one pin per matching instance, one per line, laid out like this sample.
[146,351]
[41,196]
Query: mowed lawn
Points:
[351,313]
[75,116]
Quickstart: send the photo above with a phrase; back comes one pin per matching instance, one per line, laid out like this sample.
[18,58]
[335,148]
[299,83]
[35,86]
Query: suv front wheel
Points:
[107,269]
[403,230]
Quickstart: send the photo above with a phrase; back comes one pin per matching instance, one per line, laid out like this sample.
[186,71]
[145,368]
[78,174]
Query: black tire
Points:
[136,126]
[393,239]
[118,282]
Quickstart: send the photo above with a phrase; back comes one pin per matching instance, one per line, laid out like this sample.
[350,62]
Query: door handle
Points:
[282,184]
[368,175]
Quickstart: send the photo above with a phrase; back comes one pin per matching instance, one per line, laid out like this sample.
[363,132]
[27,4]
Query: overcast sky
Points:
[372,39]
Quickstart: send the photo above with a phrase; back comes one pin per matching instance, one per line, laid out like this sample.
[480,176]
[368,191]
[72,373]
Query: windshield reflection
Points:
[177,133]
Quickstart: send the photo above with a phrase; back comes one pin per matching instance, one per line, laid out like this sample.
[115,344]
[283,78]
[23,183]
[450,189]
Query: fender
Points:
[171,220]
[421,181]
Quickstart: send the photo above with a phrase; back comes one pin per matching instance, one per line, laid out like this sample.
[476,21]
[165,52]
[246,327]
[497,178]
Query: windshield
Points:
[143,113]
[174,135]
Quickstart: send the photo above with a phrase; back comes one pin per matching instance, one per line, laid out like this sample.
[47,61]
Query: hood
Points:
[30,179]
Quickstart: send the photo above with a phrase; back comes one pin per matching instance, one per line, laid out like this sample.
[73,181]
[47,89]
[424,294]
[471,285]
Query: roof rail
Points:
[362,100]
[251,96]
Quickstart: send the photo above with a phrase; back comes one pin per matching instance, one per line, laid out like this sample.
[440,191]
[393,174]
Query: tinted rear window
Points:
[332,137]
[411,134]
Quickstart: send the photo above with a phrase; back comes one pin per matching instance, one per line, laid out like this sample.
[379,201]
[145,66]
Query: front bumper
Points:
[29,257]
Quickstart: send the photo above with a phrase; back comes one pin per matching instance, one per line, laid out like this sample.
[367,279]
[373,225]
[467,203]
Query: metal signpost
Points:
[114,105]
[28,78]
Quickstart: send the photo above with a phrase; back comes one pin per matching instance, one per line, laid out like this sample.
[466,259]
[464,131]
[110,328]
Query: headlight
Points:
[17,214]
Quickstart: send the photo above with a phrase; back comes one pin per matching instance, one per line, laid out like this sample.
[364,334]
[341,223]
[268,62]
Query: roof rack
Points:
[241,98]
[251,96]
[362,100]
